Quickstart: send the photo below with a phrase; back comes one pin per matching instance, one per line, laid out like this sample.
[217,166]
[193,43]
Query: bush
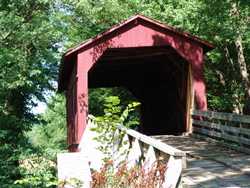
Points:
[136,177]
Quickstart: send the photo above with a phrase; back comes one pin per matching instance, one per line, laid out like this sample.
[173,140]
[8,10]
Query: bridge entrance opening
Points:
[158,77]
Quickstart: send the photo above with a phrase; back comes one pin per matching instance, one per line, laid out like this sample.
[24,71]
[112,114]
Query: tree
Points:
[50,133]
[227,67]
[48,137]
[29,36]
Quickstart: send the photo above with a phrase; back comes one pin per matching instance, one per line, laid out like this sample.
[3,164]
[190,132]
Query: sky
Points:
[40,108]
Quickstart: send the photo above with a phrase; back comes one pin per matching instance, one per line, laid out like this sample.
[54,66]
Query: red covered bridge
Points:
[160,65]
[163,68]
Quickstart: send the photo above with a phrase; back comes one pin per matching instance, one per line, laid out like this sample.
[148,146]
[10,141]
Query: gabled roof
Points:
[70,54]
[206,45]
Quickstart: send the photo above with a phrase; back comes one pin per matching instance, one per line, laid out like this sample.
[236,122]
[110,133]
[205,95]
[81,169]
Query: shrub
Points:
[122,177]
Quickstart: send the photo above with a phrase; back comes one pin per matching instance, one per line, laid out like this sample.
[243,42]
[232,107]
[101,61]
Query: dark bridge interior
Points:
[156,76]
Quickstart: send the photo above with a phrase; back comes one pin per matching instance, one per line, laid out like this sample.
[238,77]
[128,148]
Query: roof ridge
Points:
[132,18]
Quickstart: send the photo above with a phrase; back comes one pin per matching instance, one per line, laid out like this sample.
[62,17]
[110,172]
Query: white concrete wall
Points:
[89,147]
[77,165]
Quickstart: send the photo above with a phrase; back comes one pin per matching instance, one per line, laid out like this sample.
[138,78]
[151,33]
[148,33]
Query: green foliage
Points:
[225,88]
[38,170]
[50,133]
[72,182]
[97,98]
[28,48]
[107,124]
[28,56]
[38,166]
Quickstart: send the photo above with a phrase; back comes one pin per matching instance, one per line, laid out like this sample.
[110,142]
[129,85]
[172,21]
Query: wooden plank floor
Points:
[210,165]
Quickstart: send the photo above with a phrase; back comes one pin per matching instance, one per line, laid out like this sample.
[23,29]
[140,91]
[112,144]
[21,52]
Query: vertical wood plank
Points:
[134,154]
[121,152]
[173,172]
[150,159]
[190,100]
[82,96]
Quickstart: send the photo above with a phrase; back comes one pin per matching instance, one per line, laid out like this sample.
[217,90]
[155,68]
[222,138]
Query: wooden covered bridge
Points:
[163,68]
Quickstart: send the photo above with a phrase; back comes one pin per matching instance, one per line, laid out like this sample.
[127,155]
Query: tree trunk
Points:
[244,74]
[237,105]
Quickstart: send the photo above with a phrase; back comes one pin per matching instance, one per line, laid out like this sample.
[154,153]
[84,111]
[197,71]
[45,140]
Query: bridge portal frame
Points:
[138,31]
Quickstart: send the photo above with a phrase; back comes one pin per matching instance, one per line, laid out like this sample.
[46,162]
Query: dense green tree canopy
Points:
[50,133]
[28,54]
